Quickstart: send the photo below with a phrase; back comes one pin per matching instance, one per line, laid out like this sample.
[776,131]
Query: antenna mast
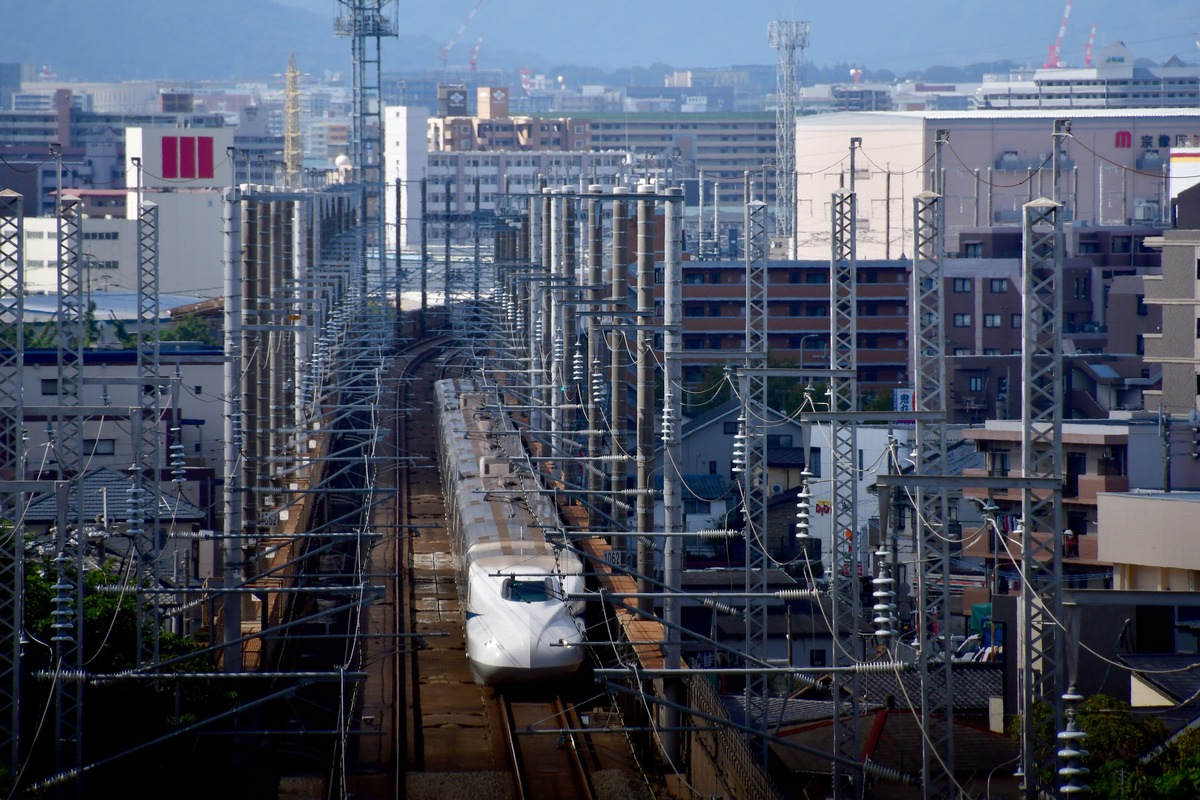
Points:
[786,36]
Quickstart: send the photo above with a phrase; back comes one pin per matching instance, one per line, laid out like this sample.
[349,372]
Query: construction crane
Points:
[475,53]
[1053,53]
[293,159]
[1087,51]
[458,33]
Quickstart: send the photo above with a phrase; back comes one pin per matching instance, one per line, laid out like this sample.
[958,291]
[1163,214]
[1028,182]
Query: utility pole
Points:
[645,391]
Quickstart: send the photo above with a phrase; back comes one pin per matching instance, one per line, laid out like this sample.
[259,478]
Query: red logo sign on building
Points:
[185,157]
[1124,140]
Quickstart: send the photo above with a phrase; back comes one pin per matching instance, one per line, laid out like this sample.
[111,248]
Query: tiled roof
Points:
[896,736]
[786,456]
[712,415]
[700,487]
[104,492]
[973,685]
[783,712]
[1176,675]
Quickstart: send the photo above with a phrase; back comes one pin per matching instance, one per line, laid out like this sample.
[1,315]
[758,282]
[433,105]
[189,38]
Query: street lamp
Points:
[804,339]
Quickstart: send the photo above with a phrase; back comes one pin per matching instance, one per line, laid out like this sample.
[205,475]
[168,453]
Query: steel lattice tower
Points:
[68,445]
[146,424]
[12,467]
[753,387]
[843,397]
[1041,659]
[933,545]
[786,36]
[367,22]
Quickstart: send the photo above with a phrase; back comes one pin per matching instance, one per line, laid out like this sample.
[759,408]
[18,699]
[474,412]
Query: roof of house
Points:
[783,712]
[700,486]
[892,737]
[104,495]
[974,685]
[1175,675]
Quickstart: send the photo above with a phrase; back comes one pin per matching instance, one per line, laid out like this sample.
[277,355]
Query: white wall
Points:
[405,158]
[41,248]
[191,241]
[1104,184]
[201,442]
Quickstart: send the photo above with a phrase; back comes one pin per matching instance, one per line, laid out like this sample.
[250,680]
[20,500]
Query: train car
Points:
[513,582]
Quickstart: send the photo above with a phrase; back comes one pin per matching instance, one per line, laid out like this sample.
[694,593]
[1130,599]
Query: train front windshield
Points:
[528,591]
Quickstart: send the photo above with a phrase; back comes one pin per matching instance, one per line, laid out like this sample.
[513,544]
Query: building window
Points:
[1015,321]
[999,285]
[811,547]
[99,447]
[991,320]
[991,351]
[813,462]
[49,386]
[691,507]
[1121,244]
[1141,304]
[976,383]
[962,351]
[962,320]
[730,428]
[973,250]
[962,285]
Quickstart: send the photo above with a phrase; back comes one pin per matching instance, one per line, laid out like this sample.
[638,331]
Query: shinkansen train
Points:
[512,581]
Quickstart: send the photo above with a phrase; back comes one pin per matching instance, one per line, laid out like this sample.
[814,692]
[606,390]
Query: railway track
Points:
[455,738]
[549,756]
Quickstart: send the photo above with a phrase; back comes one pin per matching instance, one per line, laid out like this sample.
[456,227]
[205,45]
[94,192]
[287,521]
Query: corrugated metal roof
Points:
[122,305]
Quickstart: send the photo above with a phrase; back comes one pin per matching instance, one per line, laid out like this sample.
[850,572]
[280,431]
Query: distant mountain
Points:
[111,40]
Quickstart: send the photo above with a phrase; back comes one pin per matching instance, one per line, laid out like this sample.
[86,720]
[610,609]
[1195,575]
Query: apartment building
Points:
[1114,82]
[722,146]
[1113,169]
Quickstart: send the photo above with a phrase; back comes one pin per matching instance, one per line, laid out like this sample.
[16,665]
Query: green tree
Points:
[189,329]
[711,391]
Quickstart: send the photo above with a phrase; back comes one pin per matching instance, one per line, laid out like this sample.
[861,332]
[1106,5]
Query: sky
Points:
[875,34]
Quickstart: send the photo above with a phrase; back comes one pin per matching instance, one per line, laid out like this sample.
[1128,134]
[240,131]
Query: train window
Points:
[527,591]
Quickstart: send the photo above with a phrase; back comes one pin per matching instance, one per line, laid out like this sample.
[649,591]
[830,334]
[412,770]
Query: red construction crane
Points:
[458,33]
[1052,54]
[1087,51]
[475,53]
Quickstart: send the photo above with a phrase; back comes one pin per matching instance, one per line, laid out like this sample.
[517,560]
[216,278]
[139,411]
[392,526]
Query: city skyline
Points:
[80,42]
